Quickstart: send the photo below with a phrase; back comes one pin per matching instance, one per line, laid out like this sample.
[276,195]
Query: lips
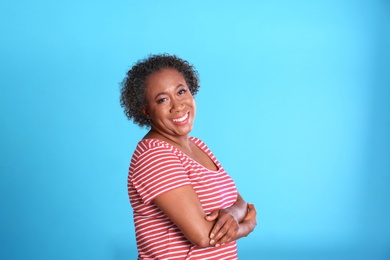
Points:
[181,119]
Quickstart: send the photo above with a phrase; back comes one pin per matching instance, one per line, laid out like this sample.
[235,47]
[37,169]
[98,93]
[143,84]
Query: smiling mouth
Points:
[181,119]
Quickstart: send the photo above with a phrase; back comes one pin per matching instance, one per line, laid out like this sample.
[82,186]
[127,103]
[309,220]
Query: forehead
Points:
[164,78]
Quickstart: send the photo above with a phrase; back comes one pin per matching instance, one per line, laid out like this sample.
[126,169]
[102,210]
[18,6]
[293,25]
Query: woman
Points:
[185,206]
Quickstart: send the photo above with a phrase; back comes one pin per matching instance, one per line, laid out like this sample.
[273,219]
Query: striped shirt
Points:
[157,167]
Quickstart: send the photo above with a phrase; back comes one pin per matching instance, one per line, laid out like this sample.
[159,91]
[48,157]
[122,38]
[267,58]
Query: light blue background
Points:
[294,102]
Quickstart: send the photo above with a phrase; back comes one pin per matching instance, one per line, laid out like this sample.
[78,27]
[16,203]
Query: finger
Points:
[251,207]
[213,216]
[251,215]
[221,221]
[226,231]
[216,229]
[228,237]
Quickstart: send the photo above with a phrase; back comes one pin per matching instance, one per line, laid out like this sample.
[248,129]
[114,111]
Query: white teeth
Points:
[181,119]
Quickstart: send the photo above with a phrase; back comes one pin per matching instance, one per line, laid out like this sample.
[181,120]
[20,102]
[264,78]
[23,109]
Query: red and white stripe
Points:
[157,167]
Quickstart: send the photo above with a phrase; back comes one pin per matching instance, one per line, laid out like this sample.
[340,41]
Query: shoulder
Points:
[153,151]
[148,145]
[196,140]
[199,143]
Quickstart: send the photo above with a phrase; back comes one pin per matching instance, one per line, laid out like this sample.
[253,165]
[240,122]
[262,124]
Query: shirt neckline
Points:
[192,139]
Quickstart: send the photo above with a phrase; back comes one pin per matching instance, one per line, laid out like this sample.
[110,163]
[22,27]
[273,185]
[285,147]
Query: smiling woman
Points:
[185,206]
[170,106]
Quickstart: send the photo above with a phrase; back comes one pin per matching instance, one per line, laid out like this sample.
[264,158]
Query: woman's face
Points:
[169,103]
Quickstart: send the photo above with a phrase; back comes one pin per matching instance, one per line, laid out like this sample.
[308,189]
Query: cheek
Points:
[194,106]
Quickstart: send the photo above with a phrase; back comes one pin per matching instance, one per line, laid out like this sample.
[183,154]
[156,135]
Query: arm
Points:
[238,211]
[227,222]
[182,205]
[248,224]
[244,228]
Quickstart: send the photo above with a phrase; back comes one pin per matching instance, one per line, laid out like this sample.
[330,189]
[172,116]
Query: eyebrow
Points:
[163,93]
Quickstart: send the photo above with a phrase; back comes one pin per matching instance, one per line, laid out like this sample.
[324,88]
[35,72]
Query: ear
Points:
[145,112]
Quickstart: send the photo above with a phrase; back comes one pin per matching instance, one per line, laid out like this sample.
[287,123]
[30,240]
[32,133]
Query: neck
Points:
[181,141]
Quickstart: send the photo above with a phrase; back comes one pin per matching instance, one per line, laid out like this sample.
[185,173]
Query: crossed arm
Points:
[182,205]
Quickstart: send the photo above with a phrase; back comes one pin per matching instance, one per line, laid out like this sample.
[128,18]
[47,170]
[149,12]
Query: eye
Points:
[161,100]
[182,91]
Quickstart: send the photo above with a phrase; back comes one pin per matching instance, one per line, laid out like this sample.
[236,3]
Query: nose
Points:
[176,105]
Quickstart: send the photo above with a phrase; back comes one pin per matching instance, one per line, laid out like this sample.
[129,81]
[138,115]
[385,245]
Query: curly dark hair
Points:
[132,97]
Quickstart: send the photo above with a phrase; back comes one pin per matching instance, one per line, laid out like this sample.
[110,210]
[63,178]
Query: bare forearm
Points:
[246,226]
[244,230]
[183,207]
[239,208]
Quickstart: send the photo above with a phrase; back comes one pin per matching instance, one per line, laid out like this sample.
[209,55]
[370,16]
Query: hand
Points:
[225,228]
[250,218]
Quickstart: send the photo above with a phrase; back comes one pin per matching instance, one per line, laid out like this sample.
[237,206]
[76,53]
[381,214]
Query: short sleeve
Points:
[156,171]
